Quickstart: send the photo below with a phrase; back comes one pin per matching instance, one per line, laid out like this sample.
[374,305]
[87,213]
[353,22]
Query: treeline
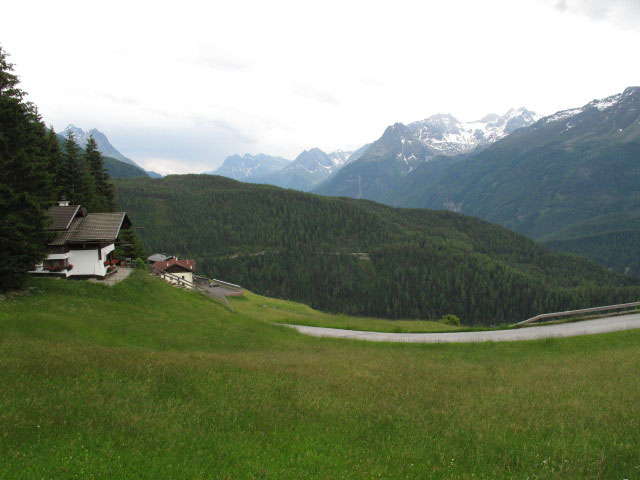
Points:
[35,171]
[80,175]
[619,250]
[360,257]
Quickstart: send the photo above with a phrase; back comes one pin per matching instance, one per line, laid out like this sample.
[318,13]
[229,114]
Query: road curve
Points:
[586,327]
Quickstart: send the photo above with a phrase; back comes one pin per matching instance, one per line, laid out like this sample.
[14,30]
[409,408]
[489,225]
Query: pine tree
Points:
[55,166]
[79,184]
[129,245]
[24,181]
[104,190]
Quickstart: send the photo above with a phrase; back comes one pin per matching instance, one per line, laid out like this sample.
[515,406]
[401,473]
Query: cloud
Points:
[224,129]
[198,146]
[318,95]
[214,59]
[624,13]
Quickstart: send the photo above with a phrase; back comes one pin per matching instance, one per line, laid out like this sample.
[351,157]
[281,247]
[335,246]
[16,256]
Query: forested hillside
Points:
[360,257]
[572,180]
[118,169]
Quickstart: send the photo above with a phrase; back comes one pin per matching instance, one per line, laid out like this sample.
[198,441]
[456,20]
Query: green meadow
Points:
[287,312]
[146,381]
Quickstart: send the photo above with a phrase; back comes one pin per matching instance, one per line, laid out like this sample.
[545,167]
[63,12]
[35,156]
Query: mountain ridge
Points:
[403,148]
[104,146]
[114,167]
[249,166]
[570,172]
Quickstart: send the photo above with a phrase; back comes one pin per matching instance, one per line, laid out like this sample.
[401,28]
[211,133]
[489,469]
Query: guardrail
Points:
[230,286]
[176,279]
[570,313]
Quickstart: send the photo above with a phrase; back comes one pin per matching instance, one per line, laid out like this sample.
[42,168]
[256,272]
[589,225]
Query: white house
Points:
[82,243]
[176,271]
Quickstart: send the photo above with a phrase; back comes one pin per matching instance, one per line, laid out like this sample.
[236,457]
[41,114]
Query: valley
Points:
[420,264]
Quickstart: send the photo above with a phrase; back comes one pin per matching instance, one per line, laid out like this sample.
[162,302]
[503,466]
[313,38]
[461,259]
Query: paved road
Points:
[587,327]
[218,291]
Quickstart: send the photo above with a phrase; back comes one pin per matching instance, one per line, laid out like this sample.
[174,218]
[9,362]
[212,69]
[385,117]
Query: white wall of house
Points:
[171,277]
[87,262]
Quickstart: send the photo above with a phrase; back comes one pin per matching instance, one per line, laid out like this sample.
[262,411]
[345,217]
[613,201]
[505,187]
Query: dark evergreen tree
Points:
[55,165]
[104,191]
[24,181]
[129,245]
[79,184]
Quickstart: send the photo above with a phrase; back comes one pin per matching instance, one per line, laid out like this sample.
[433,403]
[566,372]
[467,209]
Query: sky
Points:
[177,87]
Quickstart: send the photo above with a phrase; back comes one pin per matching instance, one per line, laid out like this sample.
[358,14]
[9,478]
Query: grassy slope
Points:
[284,311]
[147,381]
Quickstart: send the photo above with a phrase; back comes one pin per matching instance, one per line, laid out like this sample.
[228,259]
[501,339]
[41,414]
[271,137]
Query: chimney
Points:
[63,202]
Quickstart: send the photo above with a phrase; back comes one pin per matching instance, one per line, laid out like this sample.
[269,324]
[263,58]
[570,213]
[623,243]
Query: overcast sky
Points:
[179,86]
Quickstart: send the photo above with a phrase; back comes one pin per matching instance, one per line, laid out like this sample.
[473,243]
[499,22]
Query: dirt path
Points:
[587,327]
[120,274]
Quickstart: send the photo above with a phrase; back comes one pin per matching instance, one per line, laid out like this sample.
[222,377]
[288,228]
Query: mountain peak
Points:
[619,99]
[249,166]
[104,146]
[444,118]
[445,135]
[314,151]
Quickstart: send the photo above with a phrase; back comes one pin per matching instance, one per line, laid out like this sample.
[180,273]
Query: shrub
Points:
[450,319]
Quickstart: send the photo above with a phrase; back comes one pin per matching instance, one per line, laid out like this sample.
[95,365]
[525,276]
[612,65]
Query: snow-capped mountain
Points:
[612,104]
[445,135]
[576,167]
[308,169]
[104,146]
[249,166]
[403,148]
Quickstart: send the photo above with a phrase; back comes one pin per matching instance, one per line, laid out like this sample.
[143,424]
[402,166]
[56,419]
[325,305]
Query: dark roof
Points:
[188,265]
[62,216]
[95,227]
[159,257]
[177,267]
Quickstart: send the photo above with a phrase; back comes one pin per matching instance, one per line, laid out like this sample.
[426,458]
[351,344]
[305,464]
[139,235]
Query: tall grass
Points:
[147,381]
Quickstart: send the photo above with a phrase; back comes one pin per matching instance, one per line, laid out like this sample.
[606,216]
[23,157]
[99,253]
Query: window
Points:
[56,265]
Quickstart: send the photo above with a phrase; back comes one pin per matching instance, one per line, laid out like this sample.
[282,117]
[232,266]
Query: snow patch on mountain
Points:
[600,104]
[319,164]
[446,135]
[563,115]
[605,102]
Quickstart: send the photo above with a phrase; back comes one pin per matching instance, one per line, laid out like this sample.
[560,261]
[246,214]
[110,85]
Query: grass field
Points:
[147,381]
[284,311]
